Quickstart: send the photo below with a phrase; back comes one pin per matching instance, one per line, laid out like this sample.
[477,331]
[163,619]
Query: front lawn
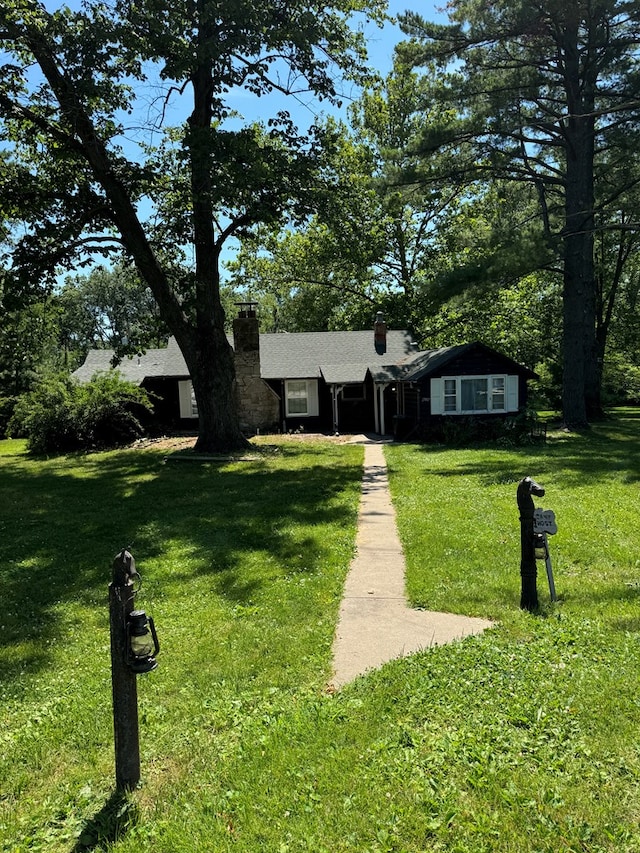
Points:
[523,739]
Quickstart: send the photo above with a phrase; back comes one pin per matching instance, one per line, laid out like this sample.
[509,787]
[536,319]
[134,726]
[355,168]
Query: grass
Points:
[523,739]
[457,508]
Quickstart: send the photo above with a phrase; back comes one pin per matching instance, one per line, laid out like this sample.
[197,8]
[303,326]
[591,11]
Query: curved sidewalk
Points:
[375,623]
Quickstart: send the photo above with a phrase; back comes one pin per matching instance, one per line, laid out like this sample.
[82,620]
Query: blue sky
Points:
[381,43]
[304,110]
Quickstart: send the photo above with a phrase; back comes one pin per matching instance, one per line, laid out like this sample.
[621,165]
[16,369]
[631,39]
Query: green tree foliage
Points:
[28,329]
[364,249]
[376,243]
[535,93]
[618,314]
[415,199]
[60,415]
[318,276]
[42,332]
[73,85]
[108,308]
[523,320]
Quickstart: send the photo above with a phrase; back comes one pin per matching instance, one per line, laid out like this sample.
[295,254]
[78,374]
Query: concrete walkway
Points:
[375,623]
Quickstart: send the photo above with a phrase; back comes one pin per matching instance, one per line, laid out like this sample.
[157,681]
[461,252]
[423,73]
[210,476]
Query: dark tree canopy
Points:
[544,93]
[82,171]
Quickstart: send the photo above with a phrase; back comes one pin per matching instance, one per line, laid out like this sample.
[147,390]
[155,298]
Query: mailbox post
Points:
[528,569]
[544,524]
[123,678]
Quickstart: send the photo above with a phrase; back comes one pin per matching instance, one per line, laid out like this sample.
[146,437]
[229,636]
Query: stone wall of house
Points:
[258,404]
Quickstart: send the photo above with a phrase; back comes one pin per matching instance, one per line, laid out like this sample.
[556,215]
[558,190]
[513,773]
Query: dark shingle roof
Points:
[166,362]
[339,357]
[432,361]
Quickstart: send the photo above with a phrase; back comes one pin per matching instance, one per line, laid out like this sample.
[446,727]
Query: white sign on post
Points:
[544,521]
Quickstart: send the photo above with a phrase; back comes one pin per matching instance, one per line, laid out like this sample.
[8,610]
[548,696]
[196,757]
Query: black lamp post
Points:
[134,645]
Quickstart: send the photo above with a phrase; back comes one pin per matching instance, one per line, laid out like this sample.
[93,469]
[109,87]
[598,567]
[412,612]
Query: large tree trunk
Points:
[573,377]
[579,271]
[211,364]
[213,384]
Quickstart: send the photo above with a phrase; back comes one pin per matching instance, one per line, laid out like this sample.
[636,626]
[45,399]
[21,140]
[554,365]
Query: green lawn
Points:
[524,739]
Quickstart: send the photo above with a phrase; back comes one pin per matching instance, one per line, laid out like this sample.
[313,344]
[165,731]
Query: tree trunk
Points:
[593,381]
[579,272]
[573,376]
[212,365]
[218,424]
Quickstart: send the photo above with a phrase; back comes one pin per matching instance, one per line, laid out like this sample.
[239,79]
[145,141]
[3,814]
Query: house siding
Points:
[322,422]
[166,404]
[474,362]
[333,360]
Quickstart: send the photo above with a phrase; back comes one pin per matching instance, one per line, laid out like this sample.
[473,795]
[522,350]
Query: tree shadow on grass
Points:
[118,815]
[243,525]
[610,446]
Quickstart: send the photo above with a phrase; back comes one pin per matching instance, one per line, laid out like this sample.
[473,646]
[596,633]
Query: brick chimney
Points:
[380,334]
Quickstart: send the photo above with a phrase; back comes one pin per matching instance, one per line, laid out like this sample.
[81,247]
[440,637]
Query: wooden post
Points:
[123,679]
[528,568]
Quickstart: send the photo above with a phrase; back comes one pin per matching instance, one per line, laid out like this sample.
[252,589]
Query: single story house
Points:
[334,381]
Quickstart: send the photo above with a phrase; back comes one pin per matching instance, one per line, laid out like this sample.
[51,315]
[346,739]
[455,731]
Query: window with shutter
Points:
[471,395]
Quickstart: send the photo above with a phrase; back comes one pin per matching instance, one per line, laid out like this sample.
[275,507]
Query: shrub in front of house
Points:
[466,431]
[60,415]
[110,410]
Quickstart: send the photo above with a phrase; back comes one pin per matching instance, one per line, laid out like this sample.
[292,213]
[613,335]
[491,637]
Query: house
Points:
[334,381]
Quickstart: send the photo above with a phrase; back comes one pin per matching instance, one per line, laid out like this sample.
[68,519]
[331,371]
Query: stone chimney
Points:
[380,334]
[246,340]
[258,404]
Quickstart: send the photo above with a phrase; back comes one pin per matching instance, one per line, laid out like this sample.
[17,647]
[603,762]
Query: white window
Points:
[474,395]
[301,398]
[468,395]
[497,399]
[450,395]
[188,405]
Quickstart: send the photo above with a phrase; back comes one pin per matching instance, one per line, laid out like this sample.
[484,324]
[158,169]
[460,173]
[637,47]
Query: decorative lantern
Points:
[142,642]
[540,546]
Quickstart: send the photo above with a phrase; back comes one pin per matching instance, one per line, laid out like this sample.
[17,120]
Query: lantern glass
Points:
[143,642]
[540,547]
[142,646]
